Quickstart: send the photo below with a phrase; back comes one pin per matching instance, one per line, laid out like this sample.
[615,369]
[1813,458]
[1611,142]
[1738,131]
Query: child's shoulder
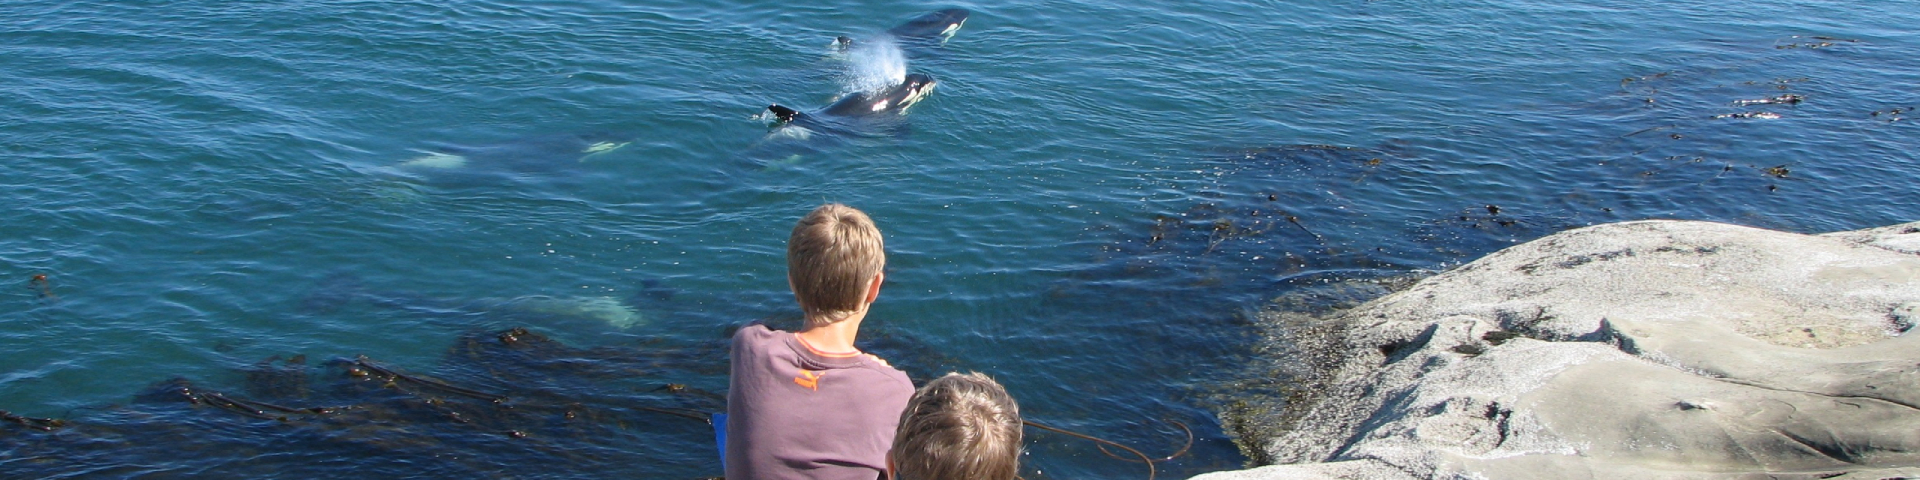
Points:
[757,332]
[886,370]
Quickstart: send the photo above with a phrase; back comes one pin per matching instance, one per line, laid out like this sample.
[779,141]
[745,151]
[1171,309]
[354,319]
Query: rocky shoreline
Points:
[1650,349]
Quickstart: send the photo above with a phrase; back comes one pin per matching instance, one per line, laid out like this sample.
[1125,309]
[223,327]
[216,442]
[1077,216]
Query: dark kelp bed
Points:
[503,405]
[506,404]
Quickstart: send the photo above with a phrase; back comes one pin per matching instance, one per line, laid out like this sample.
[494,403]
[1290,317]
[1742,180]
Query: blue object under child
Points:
[720,437]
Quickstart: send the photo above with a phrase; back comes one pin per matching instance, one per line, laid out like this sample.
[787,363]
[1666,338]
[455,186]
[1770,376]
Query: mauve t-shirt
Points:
[797,413]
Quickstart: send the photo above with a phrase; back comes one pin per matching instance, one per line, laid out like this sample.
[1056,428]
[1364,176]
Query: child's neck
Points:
[836,337]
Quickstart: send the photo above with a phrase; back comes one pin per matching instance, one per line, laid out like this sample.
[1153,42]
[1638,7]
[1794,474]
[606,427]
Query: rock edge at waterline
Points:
[1651,349]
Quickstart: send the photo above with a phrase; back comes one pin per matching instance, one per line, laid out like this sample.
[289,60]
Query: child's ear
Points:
[873,291]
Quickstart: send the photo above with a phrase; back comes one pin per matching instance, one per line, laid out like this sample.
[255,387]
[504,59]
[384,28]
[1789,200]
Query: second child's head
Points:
[958,427]
[833,259]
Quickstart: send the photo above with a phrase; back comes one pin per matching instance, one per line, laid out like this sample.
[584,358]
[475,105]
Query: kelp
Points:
[505,404]
[1102,444]
[497,408]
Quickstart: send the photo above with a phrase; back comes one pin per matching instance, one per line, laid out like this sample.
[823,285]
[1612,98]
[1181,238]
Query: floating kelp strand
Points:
[1819,41]
[393,377]
[1819,44]
[1787,99]
[1643,78]
[221,401]
[1649,129]
[288,381]
[1143,457]
[448,410]
[1176,454]
[521,358]
[42,288]
[1891,115]
[1758,115]
[41,424]
[684,390]
[1303,227]
[181,390]
[680,412]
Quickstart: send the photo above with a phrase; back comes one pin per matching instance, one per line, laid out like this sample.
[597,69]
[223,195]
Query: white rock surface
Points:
[1654,349]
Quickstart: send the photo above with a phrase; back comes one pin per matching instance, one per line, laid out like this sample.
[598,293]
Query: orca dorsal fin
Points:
[783,113]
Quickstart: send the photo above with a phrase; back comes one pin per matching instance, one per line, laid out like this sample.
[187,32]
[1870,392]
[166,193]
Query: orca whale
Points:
[863,115]
[546,159]
[873,111]
[925,30]
[892,100]
[937,25]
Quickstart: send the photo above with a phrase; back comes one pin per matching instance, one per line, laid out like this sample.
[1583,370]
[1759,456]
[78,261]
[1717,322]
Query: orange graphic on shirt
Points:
[809,379]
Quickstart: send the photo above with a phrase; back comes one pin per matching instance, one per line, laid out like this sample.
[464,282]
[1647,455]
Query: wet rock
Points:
[1654,349]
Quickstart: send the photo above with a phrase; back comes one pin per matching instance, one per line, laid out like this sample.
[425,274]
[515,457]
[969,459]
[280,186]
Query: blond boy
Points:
[958,427]
[808,404]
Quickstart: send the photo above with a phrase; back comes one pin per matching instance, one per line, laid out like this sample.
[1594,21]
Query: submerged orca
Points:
[538,158]
[894,99]
[940,24]
[931,28]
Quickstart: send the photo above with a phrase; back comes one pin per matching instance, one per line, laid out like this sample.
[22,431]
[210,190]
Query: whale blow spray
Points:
[874,65]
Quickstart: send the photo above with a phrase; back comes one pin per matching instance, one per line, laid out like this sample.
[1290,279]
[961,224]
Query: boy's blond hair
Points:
[958,427]
[833,254]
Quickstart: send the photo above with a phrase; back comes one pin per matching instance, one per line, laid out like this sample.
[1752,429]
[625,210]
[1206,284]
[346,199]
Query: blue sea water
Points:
[1088,207]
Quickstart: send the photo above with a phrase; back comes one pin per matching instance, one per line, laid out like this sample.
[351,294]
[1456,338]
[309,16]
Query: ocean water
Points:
[1088,207]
